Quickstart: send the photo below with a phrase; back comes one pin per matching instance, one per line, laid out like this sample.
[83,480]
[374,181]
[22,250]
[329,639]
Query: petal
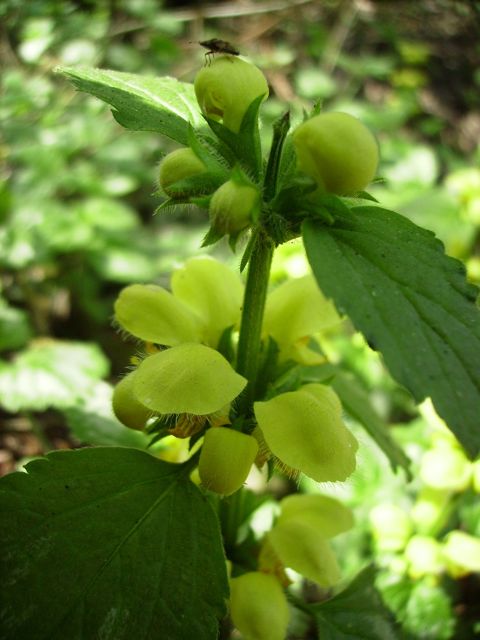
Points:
[327,516]
[297,308]
[259,607]
[301,548]
[226,459]
[189,378]
[213,291]
[304,430]
[125,405]
[153,314]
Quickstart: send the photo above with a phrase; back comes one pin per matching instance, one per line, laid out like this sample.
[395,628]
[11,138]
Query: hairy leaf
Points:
[108,543]
[411,302]
[357,613]
[142,103]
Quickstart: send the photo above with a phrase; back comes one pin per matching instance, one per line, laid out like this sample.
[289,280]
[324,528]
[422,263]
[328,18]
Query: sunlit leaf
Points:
[164,105]
[50,374]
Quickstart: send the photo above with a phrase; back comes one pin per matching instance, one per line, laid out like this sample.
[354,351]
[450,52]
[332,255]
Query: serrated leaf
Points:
[108,543]
[356,403]
[412,303]
[357,613]
[142,103]
[50,374]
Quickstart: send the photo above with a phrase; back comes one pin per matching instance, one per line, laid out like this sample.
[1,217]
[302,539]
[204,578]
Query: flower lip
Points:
[189,378]
[304,430]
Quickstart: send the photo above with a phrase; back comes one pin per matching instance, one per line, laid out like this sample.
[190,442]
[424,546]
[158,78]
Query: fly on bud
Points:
[215,45]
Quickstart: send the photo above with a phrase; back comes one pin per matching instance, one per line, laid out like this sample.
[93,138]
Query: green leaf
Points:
[356,402]
[142,103]
[109,543]
[412,303]
[357,613]
[245,146]
[50,374]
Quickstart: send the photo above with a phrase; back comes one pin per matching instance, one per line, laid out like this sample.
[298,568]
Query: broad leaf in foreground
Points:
[357,613]
[412,303]
[108,543]
[142,103]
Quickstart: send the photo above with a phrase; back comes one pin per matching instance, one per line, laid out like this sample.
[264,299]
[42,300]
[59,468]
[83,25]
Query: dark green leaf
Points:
[356,402]
[142,103]
[108,543]
[411,302]
[357,613]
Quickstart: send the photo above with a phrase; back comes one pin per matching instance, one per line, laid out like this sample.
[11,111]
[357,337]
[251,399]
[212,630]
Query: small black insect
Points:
[215,45]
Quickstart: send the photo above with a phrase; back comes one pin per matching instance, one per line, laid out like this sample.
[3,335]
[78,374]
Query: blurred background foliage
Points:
[76,224]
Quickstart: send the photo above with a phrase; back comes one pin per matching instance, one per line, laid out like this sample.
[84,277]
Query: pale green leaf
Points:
[142,103]
[50,374]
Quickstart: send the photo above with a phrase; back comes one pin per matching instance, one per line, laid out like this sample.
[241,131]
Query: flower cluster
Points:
[188,380]
[299,541]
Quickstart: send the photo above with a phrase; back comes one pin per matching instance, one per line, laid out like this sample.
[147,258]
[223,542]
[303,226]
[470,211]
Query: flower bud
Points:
[337,151]
[225,460]
[176,166]
[226,88]
[233,207]
[258,606]
[126,407]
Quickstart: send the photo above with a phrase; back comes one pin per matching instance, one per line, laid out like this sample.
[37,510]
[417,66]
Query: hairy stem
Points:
[252,315]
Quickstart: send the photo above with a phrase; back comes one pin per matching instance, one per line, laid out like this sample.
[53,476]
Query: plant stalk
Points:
[249,342]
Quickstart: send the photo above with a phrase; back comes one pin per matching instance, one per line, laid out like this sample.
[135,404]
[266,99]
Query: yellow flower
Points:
[190,377]
[294,311]
[259,607]
[206,298]
[300,536]
[225,459]
[304,430]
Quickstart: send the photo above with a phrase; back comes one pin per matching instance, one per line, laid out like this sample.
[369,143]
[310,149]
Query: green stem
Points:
[249,342]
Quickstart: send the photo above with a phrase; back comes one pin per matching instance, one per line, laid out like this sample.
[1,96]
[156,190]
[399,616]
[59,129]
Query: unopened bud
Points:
[232,207]
[226,88]
[176,166]
[337,151]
